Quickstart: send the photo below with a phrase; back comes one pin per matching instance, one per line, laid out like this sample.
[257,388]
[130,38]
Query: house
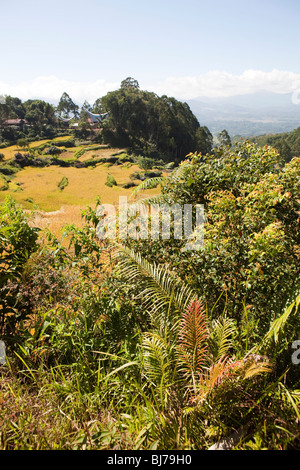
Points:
[95,118]
[15,123]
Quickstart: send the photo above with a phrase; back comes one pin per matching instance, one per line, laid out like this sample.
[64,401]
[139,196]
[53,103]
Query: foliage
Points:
[63,183]
[287,144]
[18,241]
[110,181]
[66,106]
[251,248]
[143,346]
[158,127]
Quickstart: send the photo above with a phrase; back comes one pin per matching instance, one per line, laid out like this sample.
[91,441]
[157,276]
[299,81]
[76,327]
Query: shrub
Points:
[53,150]
[3,184]
[63,183]
[110,181]
[18,240]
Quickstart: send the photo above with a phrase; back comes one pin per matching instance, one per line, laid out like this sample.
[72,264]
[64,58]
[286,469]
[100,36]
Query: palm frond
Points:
[192,338]
[161,289]
[222,332]
[149,183]
[276,335]
[156,358]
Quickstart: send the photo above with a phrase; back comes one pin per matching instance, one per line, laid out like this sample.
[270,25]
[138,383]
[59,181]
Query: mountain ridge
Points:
[248,114]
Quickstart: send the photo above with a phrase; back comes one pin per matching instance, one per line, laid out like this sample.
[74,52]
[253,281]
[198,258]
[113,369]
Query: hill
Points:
[287,143]
[157,127]
[249,114]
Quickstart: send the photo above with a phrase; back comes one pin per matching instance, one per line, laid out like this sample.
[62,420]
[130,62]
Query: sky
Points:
[186,49]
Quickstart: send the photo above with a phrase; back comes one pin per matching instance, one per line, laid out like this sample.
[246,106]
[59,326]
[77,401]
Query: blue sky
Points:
[181,48]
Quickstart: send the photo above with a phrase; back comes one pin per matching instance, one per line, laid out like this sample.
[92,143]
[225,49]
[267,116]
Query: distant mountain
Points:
[249,114]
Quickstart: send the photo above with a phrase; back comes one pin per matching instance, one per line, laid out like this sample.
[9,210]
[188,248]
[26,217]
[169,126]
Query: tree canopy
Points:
[153,125]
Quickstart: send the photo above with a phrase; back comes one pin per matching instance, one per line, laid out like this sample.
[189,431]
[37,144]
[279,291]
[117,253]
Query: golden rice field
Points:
[37,188]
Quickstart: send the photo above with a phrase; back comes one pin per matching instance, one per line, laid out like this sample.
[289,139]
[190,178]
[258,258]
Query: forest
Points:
[137,344]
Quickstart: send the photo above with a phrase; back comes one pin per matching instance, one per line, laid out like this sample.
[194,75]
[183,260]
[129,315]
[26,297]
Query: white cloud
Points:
[51,88]
[212,84]
[223,84]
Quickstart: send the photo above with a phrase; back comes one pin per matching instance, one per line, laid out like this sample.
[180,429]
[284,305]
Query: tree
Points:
[39,114]
[130,84]
[224,138]
[66,106]
[4,111]
[151,125]
[204,140]
[16,107]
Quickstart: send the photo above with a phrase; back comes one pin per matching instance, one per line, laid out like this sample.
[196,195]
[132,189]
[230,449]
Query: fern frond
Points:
[229,369]
[148,201]
[151,183]
[279,324]
[257,368]
[218,372]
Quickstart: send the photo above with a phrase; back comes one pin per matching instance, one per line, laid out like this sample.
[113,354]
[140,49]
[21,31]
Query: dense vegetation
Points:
[155,126]
[287,144]
[139,345]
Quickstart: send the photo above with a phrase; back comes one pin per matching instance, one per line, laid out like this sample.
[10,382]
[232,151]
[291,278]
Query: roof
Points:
[96,117]
[15,122]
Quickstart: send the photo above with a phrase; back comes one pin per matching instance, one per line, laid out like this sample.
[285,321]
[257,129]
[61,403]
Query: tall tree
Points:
[130,84]
[224,138]
[15,106]
[66,106]
[39,113]
[152,125]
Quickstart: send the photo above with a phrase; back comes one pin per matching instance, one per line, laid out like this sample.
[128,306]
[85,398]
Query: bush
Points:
[63,183]
[9,169]
[53,150]
[17,242]
[250,255]
[110,181]
[3,184]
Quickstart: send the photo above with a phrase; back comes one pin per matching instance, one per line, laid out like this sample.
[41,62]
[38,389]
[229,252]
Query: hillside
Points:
[287,143]
[155,126]
[137,343]
[249,114]
[33,180]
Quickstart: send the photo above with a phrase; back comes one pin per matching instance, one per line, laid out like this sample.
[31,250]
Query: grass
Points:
[85,184]
[9,152]
[37,188]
